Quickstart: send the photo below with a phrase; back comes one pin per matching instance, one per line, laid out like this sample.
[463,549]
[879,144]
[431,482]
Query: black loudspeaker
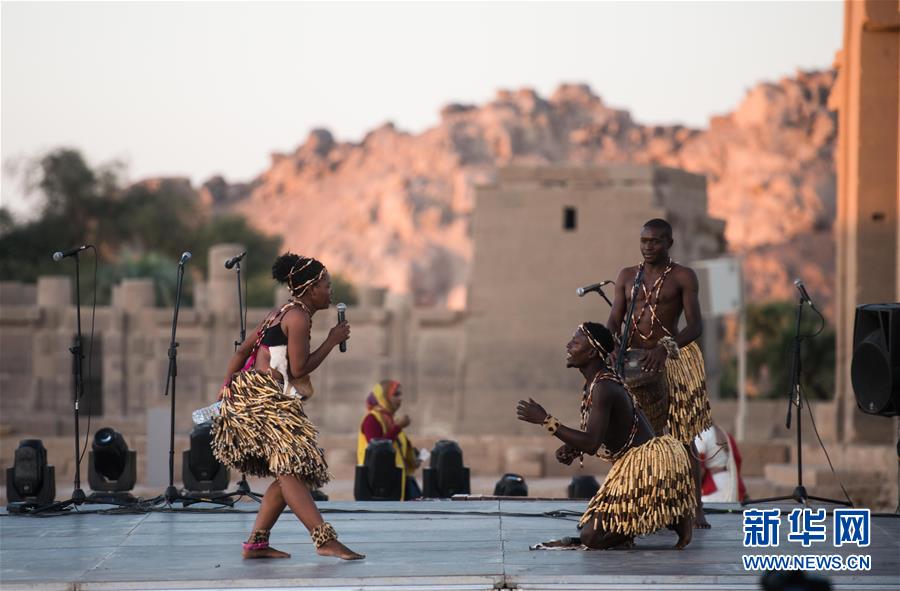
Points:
[875,368]
[30,480]
[201,472]
[446,476]
[511,485]
[583,486]
[378,479]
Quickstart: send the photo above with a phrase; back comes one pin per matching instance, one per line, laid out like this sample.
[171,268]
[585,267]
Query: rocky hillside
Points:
[393,210]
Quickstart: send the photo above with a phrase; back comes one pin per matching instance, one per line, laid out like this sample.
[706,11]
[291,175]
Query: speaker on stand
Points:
[875,367]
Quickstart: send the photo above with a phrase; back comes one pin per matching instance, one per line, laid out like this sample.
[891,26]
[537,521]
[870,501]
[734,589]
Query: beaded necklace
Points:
[651,303]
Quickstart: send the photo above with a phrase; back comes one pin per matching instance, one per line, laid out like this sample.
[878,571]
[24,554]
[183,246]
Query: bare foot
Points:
[685,532]
[626,545]
[265,553]
[565,542]
[335,548]
[700,521]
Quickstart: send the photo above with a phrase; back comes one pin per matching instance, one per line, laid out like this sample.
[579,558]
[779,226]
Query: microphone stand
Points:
[626,330]
[241,312]
[795,397]
[243,488]
[78,497]
[172,494]
[603,295]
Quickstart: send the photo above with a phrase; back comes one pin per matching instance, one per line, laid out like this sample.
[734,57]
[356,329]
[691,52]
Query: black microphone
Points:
[804,296]
[185,257]
[589,288]
[58,256]
[235,260]
[342,316]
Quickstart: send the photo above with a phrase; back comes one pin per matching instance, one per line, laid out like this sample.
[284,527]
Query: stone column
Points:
[134,295]
[54,292]
[866,96]
[221,282]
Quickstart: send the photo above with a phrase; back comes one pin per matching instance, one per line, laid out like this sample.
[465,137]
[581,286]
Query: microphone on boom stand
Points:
[598,287]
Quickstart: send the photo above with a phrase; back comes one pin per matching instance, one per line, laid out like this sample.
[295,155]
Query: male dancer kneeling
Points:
[649,486]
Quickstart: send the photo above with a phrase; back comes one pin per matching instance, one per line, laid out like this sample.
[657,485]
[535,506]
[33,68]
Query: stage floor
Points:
[419,545]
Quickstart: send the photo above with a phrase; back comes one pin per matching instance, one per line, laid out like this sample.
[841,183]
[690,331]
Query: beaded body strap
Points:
[268,324]
[586,400]
[651,302]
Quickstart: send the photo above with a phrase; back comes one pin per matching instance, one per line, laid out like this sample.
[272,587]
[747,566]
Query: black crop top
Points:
[274,336]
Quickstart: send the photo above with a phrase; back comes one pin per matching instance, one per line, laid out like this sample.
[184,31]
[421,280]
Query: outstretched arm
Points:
[582,441]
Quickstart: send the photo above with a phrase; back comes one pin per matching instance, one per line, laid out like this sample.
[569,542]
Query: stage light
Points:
[378,479]
[511,485]
[201,472]
[112,467]
[30,480]
[446,475]
[583,486]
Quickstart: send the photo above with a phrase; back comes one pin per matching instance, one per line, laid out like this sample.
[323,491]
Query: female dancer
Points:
[262,429]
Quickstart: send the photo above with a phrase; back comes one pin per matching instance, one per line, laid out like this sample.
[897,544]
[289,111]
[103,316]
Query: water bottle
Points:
[207,413]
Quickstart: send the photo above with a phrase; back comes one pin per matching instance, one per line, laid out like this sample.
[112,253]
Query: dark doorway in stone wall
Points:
[570,219]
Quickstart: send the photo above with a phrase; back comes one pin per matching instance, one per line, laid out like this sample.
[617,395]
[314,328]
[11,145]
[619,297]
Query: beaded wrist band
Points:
[551,424]
[671,347]
[323,534]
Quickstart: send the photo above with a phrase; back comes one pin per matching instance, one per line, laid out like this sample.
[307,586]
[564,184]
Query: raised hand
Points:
[339,333]
[530,412]
[565,454]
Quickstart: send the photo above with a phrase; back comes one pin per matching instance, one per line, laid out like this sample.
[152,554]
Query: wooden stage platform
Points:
[427,545]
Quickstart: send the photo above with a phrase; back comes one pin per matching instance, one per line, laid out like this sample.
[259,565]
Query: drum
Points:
[632,373]
[650,389]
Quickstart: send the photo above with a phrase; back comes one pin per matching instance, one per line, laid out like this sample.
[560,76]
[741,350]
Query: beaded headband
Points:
[593,342]
[297,290]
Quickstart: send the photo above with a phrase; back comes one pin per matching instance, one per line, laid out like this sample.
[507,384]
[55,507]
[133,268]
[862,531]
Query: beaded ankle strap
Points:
[259,540]
[323,534]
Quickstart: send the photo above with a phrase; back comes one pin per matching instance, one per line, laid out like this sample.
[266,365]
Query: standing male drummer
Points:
[677,403]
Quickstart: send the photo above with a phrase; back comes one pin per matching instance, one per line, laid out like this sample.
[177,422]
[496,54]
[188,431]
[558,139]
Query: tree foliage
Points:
[139,231]
[771,327]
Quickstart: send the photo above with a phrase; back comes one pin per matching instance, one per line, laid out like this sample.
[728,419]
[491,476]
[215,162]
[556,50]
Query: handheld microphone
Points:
[342,316]
[235,260]
[185,257]
[58,256]
[804,296]
[589,288]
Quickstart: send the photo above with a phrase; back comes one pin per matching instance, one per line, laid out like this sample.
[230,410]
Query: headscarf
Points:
[381,399]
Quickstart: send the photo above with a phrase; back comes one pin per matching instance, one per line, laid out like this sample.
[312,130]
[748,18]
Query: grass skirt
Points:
[689,413]
[648,488]
[262,432]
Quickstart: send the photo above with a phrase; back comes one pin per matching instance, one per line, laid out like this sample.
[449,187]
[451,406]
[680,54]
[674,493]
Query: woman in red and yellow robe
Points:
[380,422]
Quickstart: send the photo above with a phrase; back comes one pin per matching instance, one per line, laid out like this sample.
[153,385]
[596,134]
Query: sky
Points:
[204,88]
